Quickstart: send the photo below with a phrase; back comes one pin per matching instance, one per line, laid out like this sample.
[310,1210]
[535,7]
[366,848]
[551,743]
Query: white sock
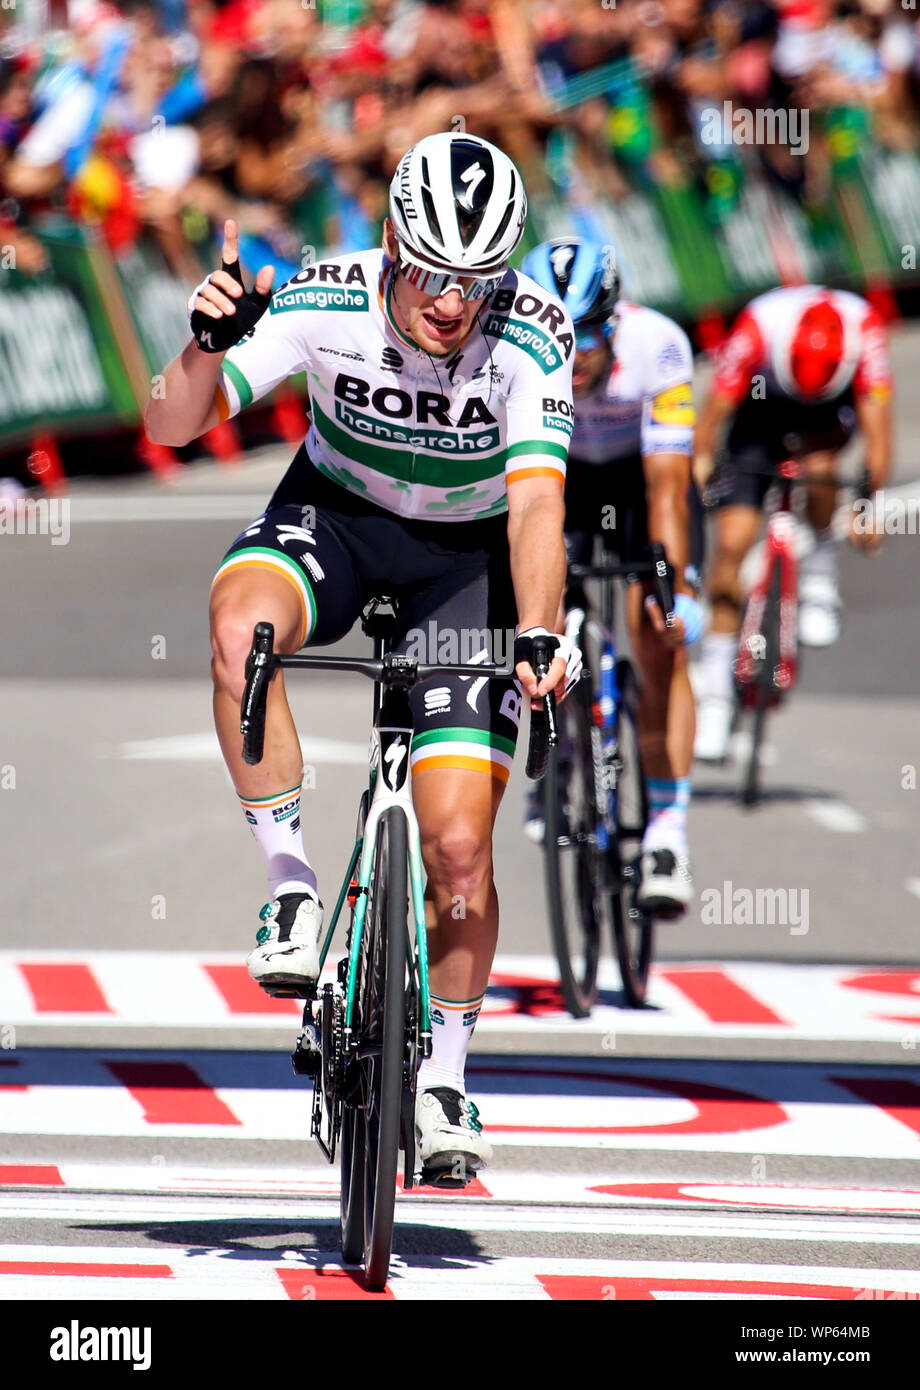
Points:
[823,559]
[717,652]
[275,823]
[452,1024]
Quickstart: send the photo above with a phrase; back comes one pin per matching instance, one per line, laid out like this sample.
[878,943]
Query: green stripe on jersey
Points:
[447,469]
[241,385]
[539,446]
[458,735]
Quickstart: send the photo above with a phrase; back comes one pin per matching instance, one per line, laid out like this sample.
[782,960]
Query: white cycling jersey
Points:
[645,405]
[422,436]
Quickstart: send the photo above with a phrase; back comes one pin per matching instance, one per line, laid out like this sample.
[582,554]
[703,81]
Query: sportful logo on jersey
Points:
[341,297]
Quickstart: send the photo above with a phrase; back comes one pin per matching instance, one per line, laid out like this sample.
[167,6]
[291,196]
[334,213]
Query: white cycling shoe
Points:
[449,1137]
[286,956]
[819,611]
[666,886]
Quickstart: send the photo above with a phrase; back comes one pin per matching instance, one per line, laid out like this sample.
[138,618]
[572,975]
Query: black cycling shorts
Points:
[764,432]
[450,583]
[609,500]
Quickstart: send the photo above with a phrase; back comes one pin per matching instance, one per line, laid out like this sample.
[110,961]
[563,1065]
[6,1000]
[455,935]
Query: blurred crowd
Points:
[290,115]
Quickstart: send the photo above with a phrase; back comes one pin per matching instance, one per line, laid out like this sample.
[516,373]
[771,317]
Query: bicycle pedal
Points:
[290,991]
[458,1174]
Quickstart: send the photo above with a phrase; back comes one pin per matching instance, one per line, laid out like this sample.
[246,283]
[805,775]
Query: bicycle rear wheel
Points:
[575,867]
[633,930]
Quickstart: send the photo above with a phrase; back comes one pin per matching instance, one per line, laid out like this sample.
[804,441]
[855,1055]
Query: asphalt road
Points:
[126,865]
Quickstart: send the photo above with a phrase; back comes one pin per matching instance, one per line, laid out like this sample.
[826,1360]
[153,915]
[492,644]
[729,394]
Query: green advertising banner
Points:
[156,300]
[61,367]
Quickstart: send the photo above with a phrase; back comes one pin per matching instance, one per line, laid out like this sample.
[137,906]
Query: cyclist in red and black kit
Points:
[801,371]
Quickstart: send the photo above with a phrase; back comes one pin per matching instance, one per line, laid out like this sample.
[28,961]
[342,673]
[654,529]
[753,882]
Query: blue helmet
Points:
[583,274]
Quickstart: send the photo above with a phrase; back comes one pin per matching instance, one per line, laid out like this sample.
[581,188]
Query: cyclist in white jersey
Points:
[629,482]
[440,398]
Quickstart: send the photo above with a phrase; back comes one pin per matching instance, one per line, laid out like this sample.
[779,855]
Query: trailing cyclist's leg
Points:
[666,724]
[819,594]
[456,810]
[736,530]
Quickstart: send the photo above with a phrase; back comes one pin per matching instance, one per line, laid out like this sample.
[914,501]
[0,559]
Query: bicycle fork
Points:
[753,651]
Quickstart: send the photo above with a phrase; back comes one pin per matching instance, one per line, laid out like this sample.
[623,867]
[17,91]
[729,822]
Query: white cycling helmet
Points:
[458,203]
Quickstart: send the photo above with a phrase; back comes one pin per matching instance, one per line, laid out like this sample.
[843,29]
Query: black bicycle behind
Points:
[595,803]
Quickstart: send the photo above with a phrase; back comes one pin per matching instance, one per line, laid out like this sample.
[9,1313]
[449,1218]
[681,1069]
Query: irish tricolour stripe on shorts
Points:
[260,557]
[476,750]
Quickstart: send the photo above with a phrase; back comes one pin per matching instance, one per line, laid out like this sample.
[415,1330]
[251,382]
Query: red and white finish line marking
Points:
[739,999]
[496,1186]
[585,1102]
[122,1273]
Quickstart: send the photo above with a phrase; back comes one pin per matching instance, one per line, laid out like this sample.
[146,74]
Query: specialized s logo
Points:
[560,260]
[394,756]
[472,177]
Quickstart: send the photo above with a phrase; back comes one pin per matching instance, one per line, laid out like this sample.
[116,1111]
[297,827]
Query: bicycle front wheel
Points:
[633,930]
[766,690]
[576,890]
[383,1045]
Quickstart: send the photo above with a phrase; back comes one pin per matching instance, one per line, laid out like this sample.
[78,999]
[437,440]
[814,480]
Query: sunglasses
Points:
[438,282]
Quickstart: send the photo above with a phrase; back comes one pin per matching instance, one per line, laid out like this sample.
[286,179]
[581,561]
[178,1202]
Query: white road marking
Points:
[494,1216]
[205,748]
[913,886]
[155,507]
[509,1187]
[835,815]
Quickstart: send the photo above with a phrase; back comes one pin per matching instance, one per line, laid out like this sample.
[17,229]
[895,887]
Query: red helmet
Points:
[817,351]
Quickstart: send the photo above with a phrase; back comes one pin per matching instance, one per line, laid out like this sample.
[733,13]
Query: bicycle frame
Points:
[779,549]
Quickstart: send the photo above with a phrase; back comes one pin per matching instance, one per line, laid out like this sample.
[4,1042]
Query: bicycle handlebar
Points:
[543,732]
[392,669]
[658,566]
[783,471]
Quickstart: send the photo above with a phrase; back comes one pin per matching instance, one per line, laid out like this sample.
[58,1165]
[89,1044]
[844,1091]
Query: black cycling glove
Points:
[217,335]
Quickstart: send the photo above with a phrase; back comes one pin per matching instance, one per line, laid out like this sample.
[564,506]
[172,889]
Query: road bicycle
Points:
[595,803]
[365,1032]
[766,666]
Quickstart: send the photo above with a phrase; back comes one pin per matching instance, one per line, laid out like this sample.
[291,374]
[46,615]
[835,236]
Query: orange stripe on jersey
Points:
[223,405]
[460,760]
[537,471]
